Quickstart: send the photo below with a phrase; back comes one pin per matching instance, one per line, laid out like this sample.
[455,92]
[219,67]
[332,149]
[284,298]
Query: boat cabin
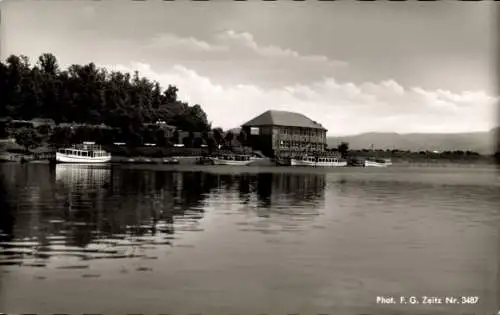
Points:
[231,157]
[83,153]
[321,159]
[328,160]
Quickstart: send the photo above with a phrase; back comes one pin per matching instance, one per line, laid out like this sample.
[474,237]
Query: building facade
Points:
[281,133]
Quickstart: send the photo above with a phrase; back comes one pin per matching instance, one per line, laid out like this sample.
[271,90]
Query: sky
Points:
[352,66]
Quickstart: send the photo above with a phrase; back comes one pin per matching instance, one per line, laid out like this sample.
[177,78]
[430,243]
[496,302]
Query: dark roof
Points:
[283,118]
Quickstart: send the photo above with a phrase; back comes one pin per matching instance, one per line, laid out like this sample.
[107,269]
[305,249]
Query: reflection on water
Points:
[91,212]
[245,242]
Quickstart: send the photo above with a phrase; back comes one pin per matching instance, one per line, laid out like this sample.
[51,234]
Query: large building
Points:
[282,133]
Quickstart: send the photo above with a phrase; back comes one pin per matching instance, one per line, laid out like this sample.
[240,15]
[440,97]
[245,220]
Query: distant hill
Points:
[481,142]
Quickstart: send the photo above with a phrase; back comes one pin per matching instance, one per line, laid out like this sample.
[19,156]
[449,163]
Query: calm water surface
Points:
[194,240]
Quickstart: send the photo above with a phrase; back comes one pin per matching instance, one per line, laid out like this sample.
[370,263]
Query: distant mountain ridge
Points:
[481,142]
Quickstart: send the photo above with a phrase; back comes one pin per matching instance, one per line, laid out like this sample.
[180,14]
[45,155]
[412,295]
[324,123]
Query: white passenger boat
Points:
[87,153]
[320,161]
[373,162]
[232,159]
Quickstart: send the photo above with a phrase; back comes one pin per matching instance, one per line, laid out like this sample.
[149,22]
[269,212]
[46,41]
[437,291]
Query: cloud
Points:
[343,108]
[231,55]
[244,39]
[171,41]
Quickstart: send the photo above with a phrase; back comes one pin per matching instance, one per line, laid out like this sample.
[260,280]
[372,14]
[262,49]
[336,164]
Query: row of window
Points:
[83,153]
[301,132]
[298,138]
[297,148]
[286,143]
[234,157]
[321,159]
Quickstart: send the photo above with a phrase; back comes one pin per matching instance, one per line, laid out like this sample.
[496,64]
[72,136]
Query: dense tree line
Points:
[91,95]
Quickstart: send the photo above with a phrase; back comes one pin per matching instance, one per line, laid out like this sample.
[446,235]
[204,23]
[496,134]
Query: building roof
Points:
[283,118]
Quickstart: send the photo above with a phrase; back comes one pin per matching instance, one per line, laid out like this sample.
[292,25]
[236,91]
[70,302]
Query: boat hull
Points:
[64,158]
[217,161]
[296,162]
[377,164]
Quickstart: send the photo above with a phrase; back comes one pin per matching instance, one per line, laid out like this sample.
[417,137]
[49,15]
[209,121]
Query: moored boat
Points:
[87,153]
[318,161]
[232,159]
[375,162]
[170,161]
[281,161]
[356,162]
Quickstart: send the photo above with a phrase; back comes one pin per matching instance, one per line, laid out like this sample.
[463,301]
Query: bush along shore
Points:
[426,157]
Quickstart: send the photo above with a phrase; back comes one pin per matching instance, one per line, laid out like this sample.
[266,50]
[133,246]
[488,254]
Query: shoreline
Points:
[192,161]
[190,156]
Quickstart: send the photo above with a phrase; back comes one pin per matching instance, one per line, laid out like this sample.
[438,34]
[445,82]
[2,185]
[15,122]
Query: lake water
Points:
[206,240]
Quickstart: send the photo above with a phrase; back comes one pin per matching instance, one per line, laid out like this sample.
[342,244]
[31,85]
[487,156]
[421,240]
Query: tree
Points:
[191,138]
[242,137]
[186,141]
[343,149]
[27,138]
[197,142]
[61,136]
[211,145]
[48,64]
[175,137]
[87,94]
[160,138]
[229,138]
[218,136]
[170,94]
[3,130]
